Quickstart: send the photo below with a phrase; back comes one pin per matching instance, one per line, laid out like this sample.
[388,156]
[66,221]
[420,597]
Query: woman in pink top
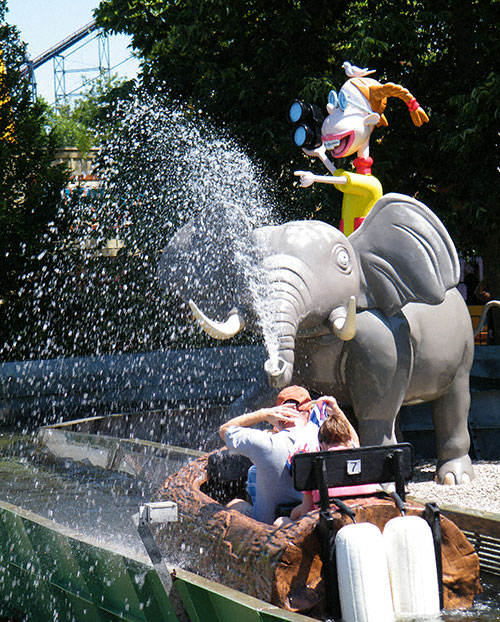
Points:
[335,433]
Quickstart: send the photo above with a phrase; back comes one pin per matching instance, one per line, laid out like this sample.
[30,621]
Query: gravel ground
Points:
[483,493]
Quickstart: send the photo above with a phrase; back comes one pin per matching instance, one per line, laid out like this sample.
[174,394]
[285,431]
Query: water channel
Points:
[94,502]
[99,504]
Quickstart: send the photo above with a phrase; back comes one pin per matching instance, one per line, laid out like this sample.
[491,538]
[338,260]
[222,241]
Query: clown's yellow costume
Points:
[361,192]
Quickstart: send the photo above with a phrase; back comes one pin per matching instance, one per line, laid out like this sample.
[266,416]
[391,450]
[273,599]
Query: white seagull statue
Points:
[356,72]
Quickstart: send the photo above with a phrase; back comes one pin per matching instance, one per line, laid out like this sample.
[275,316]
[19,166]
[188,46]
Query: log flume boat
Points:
[282,566]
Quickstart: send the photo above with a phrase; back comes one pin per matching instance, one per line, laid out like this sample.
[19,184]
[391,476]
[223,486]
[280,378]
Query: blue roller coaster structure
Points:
[83,35]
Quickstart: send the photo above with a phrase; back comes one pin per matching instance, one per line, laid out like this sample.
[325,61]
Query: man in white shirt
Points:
[269,450]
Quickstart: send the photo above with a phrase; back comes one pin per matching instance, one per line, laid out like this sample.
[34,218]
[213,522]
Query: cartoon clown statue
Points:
[353,113]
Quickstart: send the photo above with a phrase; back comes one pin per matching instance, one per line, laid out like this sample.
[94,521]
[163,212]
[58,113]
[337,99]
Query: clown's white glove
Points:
[306,178]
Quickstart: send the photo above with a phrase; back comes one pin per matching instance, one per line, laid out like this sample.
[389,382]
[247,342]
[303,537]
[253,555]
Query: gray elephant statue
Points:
[374,319]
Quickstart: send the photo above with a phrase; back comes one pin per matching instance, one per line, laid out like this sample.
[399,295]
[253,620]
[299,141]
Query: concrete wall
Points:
[77,162]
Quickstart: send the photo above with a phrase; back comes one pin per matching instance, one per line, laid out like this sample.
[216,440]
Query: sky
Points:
[44,23]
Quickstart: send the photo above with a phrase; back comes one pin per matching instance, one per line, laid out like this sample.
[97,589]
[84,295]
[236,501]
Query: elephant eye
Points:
[342,258]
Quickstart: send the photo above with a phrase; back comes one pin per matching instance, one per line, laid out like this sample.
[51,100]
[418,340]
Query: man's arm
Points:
[276,416]
[244,421]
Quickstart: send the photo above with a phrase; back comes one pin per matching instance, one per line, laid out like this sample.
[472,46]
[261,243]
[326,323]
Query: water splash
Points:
[162,165]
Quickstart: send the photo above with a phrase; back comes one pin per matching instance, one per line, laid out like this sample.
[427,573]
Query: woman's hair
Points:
[334,430]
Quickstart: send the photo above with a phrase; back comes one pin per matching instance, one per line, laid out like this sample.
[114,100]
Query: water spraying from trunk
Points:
[161,165]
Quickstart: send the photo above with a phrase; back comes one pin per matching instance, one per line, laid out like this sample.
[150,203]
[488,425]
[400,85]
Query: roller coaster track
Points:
[56,53]
[60,47]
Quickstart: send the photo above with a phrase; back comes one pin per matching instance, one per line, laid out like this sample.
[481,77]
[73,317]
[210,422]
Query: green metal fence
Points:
[49,573]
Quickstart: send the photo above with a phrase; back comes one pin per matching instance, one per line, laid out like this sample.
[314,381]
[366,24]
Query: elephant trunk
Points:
[279,372]
[289,300]
[279,365]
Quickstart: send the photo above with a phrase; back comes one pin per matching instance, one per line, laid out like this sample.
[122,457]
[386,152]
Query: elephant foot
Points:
[454,472]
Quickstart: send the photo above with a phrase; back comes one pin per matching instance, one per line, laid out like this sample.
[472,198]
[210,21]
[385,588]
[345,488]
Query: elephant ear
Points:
[405,255]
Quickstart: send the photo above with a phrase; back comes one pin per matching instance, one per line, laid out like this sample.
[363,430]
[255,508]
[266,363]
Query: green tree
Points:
[242,61]
[85,123]
[30,187]
[68,129]
[447,55]
[245,60]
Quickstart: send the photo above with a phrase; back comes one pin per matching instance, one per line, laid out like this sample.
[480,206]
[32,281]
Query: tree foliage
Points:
[30,187]
[245,60]
[447,55]
[83,124]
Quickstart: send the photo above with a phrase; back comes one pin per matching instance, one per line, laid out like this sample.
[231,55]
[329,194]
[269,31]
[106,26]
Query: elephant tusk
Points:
[344,326]
[218,330]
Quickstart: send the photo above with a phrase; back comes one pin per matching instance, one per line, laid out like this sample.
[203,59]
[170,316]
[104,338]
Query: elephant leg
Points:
[377,371]
[450,415]
[377,432]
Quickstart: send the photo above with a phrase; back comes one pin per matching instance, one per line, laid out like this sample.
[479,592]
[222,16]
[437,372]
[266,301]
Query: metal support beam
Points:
[104,58]
[84,35]
[154,513]
[30,72]
[59,81]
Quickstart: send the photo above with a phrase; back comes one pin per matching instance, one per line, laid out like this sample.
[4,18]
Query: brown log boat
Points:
[283,565]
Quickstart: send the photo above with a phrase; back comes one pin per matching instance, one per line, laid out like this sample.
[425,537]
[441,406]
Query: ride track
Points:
[55,52]
[59,48]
